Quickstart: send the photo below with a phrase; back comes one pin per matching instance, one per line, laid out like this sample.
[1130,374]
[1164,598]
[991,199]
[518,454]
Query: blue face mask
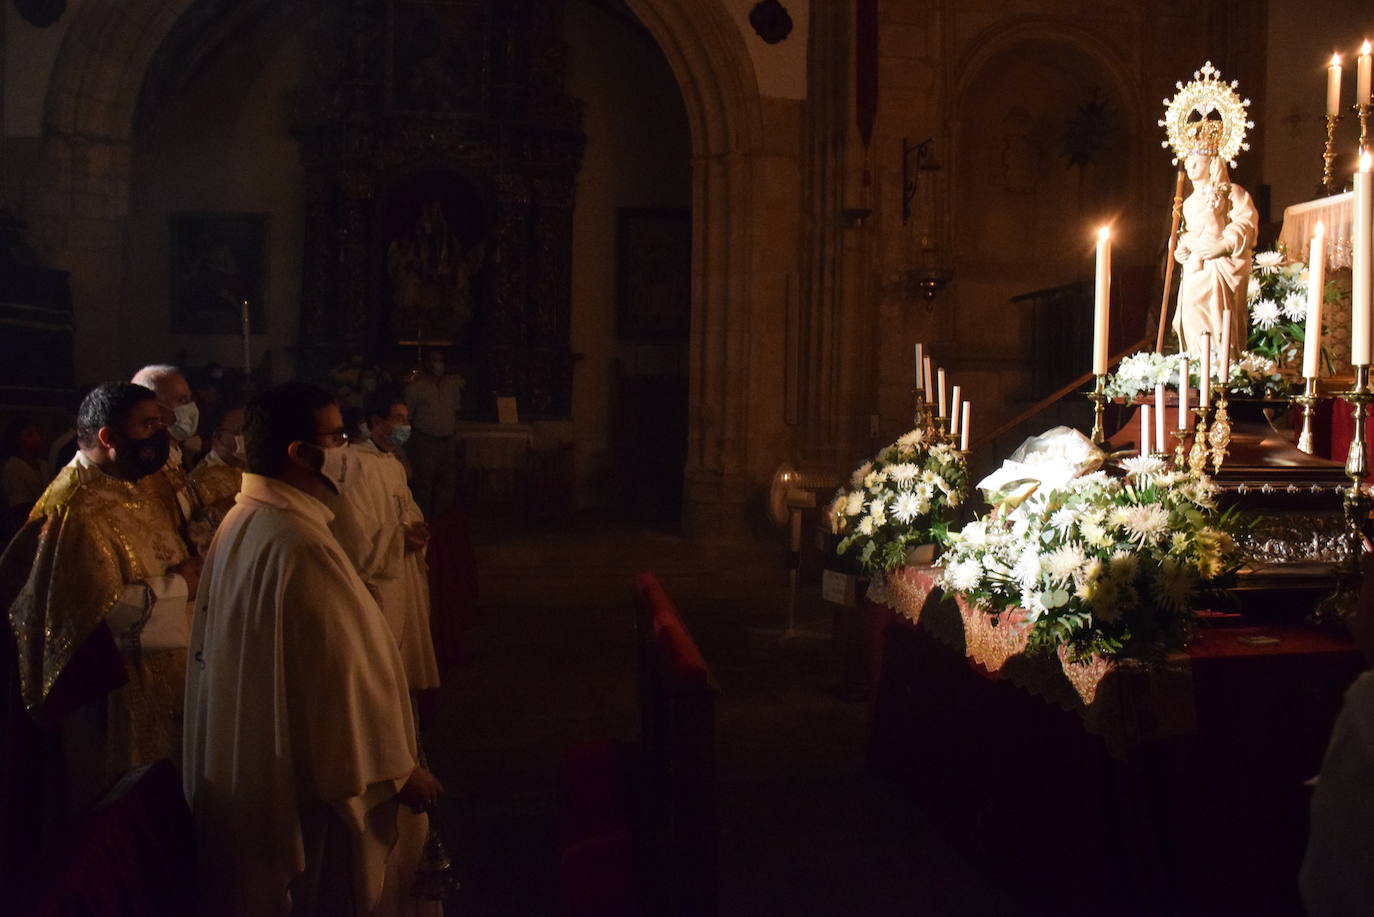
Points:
[399,435]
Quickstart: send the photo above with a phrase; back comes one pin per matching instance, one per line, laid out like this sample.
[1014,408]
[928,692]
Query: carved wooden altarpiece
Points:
[441,153]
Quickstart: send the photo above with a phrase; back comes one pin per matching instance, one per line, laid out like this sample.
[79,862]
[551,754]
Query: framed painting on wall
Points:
[218,260]
[436,58]
[654,277]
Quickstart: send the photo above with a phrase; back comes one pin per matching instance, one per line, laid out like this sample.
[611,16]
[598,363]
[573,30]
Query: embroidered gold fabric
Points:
[991,645]
[213,489]
[94,535]
[1086,674]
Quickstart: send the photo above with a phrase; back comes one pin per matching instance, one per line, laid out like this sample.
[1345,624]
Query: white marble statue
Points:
[1220,223]
[1206,124]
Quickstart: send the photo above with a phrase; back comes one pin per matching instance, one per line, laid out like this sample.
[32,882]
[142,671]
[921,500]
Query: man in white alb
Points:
[383,532]
[434,398]
[300,755]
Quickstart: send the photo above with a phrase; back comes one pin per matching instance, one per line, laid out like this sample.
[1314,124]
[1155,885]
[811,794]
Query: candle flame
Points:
[1364,48]
[1320,230]
[1104,233]
[1335,60]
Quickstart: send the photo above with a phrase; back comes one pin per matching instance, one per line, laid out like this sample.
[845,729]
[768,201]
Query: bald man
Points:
[170,486]
[179,410]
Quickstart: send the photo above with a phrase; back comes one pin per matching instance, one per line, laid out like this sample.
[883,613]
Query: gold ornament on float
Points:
[1206,116]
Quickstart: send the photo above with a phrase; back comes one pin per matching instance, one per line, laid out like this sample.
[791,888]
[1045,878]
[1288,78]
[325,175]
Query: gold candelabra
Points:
[1328,185]
[1341,603]
[1219,437]
[1098,396]
[1362,111]
[1197,457]
[1308,401]
[1181,446]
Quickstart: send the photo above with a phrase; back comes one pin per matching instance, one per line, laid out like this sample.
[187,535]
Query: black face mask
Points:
[138,458]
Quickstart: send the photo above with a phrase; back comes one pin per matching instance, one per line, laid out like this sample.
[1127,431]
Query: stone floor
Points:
[804,830]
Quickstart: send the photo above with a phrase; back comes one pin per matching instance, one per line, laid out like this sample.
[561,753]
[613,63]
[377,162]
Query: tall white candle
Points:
[1204,383]
[1185,417]
[1316,283]
[1160,416]
[1333,86]
[1102,300]
[1224,366]
[925,377]
[1144,429]
[1362,76]
[963,429]
[954,411]
[1360,240]
[940,387]
[919,347]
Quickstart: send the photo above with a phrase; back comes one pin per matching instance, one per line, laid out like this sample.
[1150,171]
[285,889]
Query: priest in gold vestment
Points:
[215,482]
[96,587]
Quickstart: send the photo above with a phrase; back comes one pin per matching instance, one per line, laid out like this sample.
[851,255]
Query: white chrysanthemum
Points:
[854,503]
[1026,571]
[912,439]
[907,507]
[1144,465]
[1063,519]
[1145,525]
[1175,584]
[903,474]
[965,575]
[860,474]
[874,481]
[877,511]
[1265,314]
[1122,567]
[1295,307]
[1033,602]
[1064,563]
[866,525]
[1095,534]
[1088,574]
[1252,293]
[1268,262]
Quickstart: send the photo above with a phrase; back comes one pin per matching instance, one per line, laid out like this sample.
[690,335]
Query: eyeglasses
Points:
[331,438]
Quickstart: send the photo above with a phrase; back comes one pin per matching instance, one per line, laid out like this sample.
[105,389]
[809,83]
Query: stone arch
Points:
[79,197]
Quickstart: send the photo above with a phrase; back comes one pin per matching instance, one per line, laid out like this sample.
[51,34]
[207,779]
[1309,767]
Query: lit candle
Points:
[1160,415]
[925,376]
[1204,383]
[1224,364]
[919,348]
[1362,76]
[1144,429]
[1333,86]
[1316,282]
[954,411]
[940,387]
[1102,303]
[1360,240]
[963,429]
[1185,417]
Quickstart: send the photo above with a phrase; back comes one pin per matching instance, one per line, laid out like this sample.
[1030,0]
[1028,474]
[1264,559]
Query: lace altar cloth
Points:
[1336,214]
[1126,703]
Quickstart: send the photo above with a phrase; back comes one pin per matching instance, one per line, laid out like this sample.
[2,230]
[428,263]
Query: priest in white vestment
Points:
[382,530]
[300,754]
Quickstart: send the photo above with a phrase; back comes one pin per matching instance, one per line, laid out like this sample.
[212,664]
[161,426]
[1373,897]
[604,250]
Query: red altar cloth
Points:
[1211,821]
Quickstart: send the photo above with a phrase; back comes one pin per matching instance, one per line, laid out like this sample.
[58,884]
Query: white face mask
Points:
[187,419]
[338,468]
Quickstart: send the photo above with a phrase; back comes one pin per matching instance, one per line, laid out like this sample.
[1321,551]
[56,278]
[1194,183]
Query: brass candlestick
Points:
[919,412]
[1181,448]
[1197,457]
[1098,396]
[1219,437]
[1362,110]
[1308,400]
[1328,185]
[1342,603]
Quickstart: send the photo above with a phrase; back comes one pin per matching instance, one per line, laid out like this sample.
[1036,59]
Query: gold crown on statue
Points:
[1207,116]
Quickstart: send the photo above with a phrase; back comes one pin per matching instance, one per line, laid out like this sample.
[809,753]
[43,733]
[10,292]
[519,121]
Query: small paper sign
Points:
[838,588]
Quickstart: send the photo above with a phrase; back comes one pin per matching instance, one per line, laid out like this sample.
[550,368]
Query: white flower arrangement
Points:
[903,498]
[1101,566]
[1277,295]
